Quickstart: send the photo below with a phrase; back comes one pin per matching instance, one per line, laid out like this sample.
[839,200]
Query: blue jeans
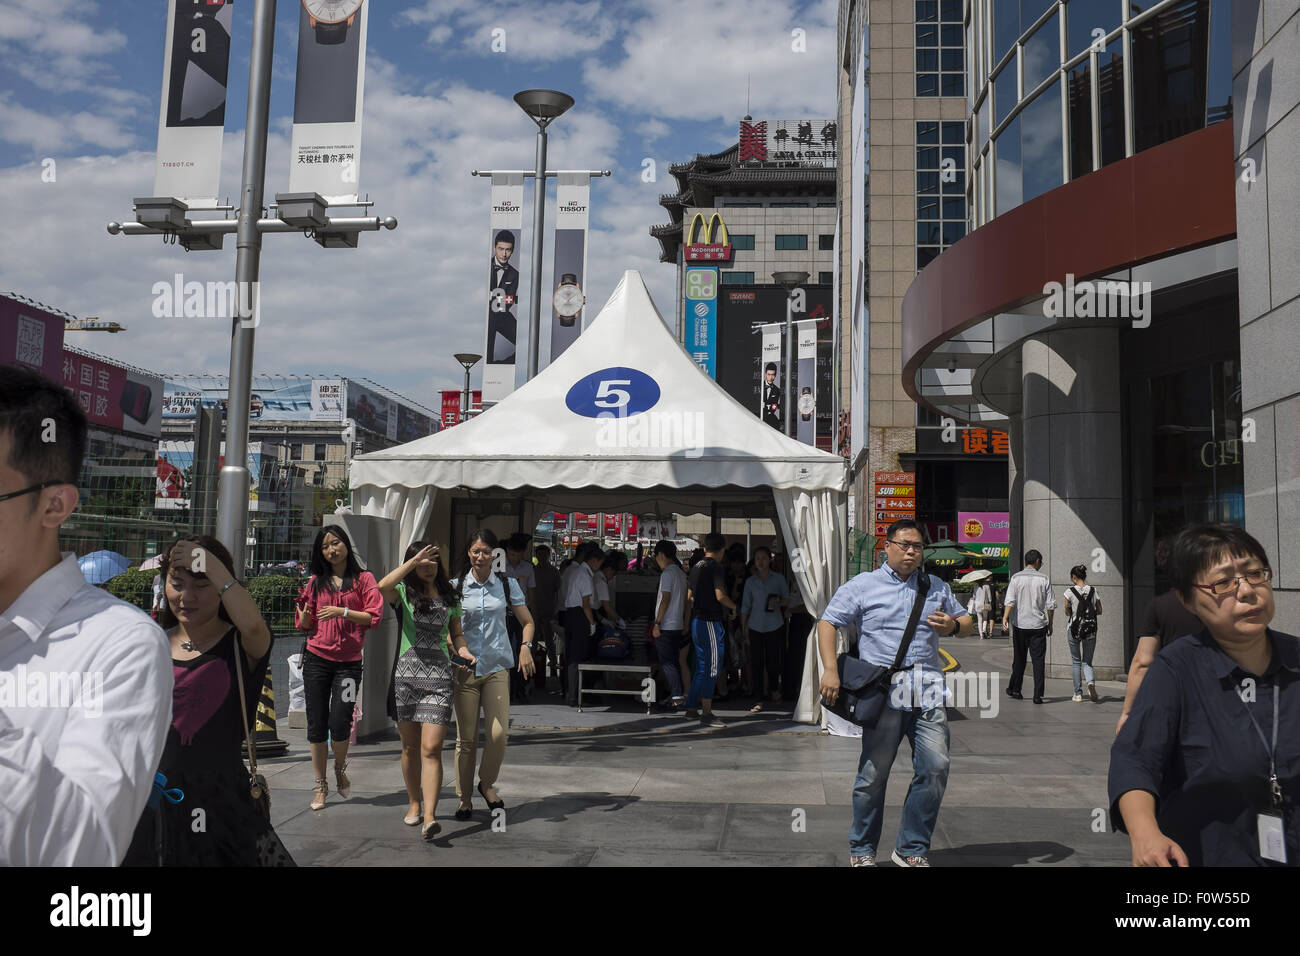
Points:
[927,732]
[709,638]
[1081,657]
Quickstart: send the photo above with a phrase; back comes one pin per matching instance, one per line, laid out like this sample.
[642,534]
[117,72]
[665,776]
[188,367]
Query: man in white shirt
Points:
[670,618]
[1029,595]
[579,613]
[520,567]
[85,679]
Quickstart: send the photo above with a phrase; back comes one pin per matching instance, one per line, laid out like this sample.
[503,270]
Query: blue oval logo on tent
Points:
[613,391]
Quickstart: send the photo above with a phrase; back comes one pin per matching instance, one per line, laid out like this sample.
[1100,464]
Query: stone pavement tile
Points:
[532,781]
[1059,790]
[315,851]
[627,856]
[1025,746]
[795,788]
[1006,763]
[441,852]
[793,830]
[990,836]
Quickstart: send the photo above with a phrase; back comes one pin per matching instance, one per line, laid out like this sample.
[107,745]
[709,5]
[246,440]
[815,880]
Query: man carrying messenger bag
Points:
[893,687]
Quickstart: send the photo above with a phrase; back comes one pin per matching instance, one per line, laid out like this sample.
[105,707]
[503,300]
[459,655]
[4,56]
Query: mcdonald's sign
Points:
[706,231]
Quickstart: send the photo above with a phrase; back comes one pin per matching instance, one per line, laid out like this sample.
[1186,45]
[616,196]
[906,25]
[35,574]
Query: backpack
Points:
[1085,615]
[614,644]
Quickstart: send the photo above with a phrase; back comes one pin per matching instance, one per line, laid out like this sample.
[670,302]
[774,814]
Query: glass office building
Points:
[1108,306]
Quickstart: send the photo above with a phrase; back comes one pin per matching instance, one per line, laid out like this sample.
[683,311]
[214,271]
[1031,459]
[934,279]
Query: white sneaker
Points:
[862,861]
[908,861]
[1077,698]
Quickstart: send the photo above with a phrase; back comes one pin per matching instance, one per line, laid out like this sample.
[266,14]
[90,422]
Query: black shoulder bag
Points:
[864,687]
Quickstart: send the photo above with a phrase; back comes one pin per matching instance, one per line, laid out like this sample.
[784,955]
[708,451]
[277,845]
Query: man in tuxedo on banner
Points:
[771,397]
[502,325]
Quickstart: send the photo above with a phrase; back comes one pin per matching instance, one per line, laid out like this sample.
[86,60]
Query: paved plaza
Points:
[613,787]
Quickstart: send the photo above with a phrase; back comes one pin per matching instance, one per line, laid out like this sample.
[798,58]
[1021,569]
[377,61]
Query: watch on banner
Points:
[330,19]
[568,299]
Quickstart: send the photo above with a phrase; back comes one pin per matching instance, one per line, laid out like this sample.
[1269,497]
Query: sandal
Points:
[430,830]
[319,793]
[341,778]
[757,708]
[465,813]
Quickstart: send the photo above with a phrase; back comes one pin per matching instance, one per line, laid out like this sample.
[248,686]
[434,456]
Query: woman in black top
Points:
[212,623]
[1206,771]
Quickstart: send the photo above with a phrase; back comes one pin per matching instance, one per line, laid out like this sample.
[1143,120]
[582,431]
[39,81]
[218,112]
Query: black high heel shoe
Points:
[492,804]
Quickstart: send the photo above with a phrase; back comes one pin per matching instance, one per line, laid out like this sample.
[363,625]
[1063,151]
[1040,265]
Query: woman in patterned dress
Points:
[420,691]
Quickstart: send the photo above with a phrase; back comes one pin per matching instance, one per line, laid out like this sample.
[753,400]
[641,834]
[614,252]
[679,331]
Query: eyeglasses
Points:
[907,546]
[1254,577]
[27,491]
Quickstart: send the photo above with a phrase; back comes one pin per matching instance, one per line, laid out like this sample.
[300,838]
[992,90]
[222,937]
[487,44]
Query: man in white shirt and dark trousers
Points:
[579,613]
[520,567]
[87,706]
[670,618]
[1029,596]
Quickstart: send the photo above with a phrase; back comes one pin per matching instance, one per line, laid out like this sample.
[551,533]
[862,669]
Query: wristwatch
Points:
[568,299]
[330,19]
[527,644]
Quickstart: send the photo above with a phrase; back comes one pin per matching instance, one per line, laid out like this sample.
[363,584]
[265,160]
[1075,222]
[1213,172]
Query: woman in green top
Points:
[420,691]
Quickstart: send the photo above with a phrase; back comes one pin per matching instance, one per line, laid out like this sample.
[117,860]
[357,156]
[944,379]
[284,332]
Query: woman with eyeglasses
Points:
[1206,771]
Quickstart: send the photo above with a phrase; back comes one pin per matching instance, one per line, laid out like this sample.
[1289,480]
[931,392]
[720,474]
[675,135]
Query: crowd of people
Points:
[143,763]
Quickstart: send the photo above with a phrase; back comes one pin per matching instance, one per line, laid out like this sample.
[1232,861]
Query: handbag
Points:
[257,787]
[864,687]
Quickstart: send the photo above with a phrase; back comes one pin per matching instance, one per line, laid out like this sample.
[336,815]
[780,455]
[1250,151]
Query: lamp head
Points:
[468,359]
[542,106]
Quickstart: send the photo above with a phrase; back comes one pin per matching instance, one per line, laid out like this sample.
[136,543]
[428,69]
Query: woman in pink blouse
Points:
[339,603]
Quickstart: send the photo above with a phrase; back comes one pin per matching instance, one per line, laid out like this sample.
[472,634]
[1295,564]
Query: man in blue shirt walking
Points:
[877,604]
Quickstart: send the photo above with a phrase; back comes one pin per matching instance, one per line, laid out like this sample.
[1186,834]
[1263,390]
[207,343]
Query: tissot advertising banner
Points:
[507,223]
[806,382]
[325,152]
[192,118]
[573,196]
[702,317]
[771,406]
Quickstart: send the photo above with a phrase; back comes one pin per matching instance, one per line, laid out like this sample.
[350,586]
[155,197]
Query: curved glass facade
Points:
[1059,88]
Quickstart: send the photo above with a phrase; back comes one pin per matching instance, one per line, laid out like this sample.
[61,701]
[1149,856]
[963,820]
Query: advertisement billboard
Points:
[30,336]
[451,404]
[325,152]
[174,466]
[797,142]
[113,396]
[274,398]
[327,399]
[572,201]
[368,409]
[505,230]
[741,362]
[192,115]
[702,317]
[984,527]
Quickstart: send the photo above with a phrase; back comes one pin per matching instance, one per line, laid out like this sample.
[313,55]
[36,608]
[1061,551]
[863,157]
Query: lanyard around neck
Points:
[1275,789]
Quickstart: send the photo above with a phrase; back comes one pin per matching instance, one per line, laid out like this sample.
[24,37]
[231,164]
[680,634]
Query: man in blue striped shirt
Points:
[877,604]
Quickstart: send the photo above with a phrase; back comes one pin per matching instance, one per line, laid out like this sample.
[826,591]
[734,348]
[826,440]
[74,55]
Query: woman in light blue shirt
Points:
[487,690]
[762,619]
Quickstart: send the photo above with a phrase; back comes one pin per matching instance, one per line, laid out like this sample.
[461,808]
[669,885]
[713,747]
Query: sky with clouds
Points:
[80,83]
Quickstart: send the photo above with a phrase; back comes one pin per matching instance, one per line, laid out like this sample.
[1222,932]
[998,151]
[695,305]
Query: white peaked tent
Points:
[623,421]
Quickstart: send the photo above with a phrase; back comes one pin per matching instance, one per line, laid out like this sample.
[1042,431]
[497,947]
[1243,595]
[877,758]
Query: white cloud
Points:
[691,61]
[57,46]
[394,310]
[48,133]
[531,32]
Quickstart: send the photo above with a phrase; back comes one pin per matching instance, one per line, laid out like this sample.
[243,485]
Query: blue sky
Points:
[658,79]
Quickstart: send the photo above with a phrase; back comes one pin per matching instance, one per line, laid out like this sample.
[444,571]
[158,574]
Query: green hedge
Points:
[273,593]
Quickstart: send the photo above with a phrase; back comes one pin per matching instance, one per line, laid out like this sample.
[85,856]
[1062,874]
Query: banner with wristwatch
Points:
[500,349]
[572,201]
[806,381]
[770,408]
[325,149]
[192,118]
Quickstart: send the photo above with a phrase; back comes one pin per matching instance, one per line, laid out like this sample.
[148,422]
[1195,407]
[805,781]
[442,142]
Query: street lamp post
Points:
[790,280]
[542,106]
[468,360]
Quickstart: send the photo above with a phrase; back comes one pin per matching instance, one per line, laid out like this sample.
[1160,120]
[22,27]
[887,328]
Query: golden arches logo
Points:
[703,229]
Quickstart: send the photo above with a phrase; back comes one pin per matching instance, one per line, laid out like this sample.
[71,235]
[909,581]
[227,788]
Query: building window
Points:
[826,205]
[320,453]
[737,278]
[741,242]
[788,205]
[940,188]
[826,243]
[295,451]
[940,48]
[826,278]
[791,242]
[731,204]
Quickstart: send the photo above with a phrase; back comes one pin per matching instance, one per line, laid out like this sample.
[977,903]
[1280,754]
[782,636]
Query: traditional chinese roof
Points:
[703,178]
